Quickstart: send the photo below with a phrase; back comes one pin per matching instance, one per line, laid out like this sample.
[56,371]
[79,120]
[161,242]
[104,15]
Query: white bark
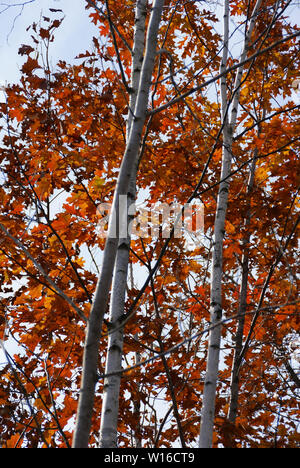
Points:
[212,367]
[137,57]
[110,405]
[91,347]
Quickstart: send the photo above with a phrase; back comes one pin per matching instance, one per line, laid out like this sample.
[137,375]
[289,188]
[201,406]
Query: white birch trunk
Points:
[111,390]
[110,405]
[212,367]
[91,347]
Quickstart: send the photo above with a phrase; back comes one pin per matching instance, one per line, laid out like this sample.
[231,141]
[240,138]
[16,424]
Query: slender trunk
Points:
[137,57]
[137,408]
[136,398]
[212,367]
[110,405]
[91,347]
[208,403]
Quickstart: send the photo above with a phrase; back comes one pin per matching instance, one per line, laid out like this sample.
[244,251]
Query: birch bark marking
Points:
[110,405]
[208,403]
[137,57]
[212,367]
[91,347]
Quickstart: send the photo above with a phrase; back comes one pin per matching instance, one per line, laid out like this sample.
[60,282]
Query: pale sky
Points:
[74,35]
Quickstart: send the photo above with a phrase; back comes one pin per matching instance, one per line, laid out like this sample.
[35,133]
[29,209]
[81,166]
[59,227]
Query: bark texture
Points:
[110,405]
[99,306]
[216,313]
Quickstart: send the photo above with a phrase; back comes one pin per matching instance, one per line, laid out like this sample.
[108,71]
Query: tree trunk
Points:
[91,347]
[234,386]
[110,406]
[212,367]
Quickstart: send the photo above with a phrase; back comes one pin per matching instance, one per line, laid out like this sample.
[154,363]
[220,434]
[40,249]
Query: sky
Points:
[73,37]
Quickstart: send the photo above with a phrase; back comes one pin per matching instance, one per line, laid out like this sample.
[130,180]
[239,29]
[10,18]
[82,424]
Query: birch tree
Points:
[126,175]
[229,116]
[110,409]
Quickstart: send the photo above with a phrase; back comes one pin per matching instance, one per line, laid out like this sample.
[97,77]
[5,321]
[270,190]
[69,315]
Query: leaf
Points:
[16,114]
[35,293]
[56,23]
[44,33]
[29,66]
[43,188]
[98,183]
[25,50]
[12,442]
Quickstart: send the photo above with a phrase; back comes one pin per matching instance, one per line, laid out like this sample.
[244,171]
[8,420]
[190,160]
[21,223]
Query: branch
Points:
[22,5]
[264,289]
[102,13]
[225,72]
[264,119]
[36,200]
[185,341]
[130,313]
[111,26]
[292,373]
[43,273]
[164,360]
[12,365]
[54,414]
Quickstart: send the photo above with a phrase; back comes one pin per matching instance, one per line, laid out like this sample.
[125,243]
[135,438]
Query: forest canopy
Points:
[149,224]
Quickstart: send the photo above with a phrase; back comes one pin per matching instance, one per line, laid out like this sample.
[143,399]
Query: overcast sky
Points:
[73,37]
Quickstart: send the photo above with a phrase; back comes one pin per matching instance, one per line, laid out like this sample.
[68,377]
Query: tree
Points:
[167,107]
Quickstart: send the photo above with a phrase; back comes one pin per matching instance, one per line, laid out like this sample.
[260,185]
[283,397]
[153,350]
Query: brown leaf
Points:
[25,50]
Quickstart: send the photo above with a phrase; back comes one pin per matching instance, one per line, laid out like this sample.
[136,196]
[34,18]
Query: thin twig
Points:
[43,273]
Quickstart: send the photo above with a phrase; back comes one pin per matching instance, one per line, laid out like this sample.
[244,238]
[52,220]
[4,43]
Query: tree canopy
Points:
[196,105]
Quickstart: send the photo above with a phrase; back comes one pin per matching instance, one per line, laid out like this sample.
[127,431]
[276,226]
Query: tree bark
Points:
[212,367]
[91,347]
[110,405]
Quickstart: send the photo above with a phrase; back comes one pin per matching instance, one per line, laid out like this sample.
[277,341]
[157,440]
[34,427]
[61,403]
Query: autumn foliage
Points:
[63,138]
